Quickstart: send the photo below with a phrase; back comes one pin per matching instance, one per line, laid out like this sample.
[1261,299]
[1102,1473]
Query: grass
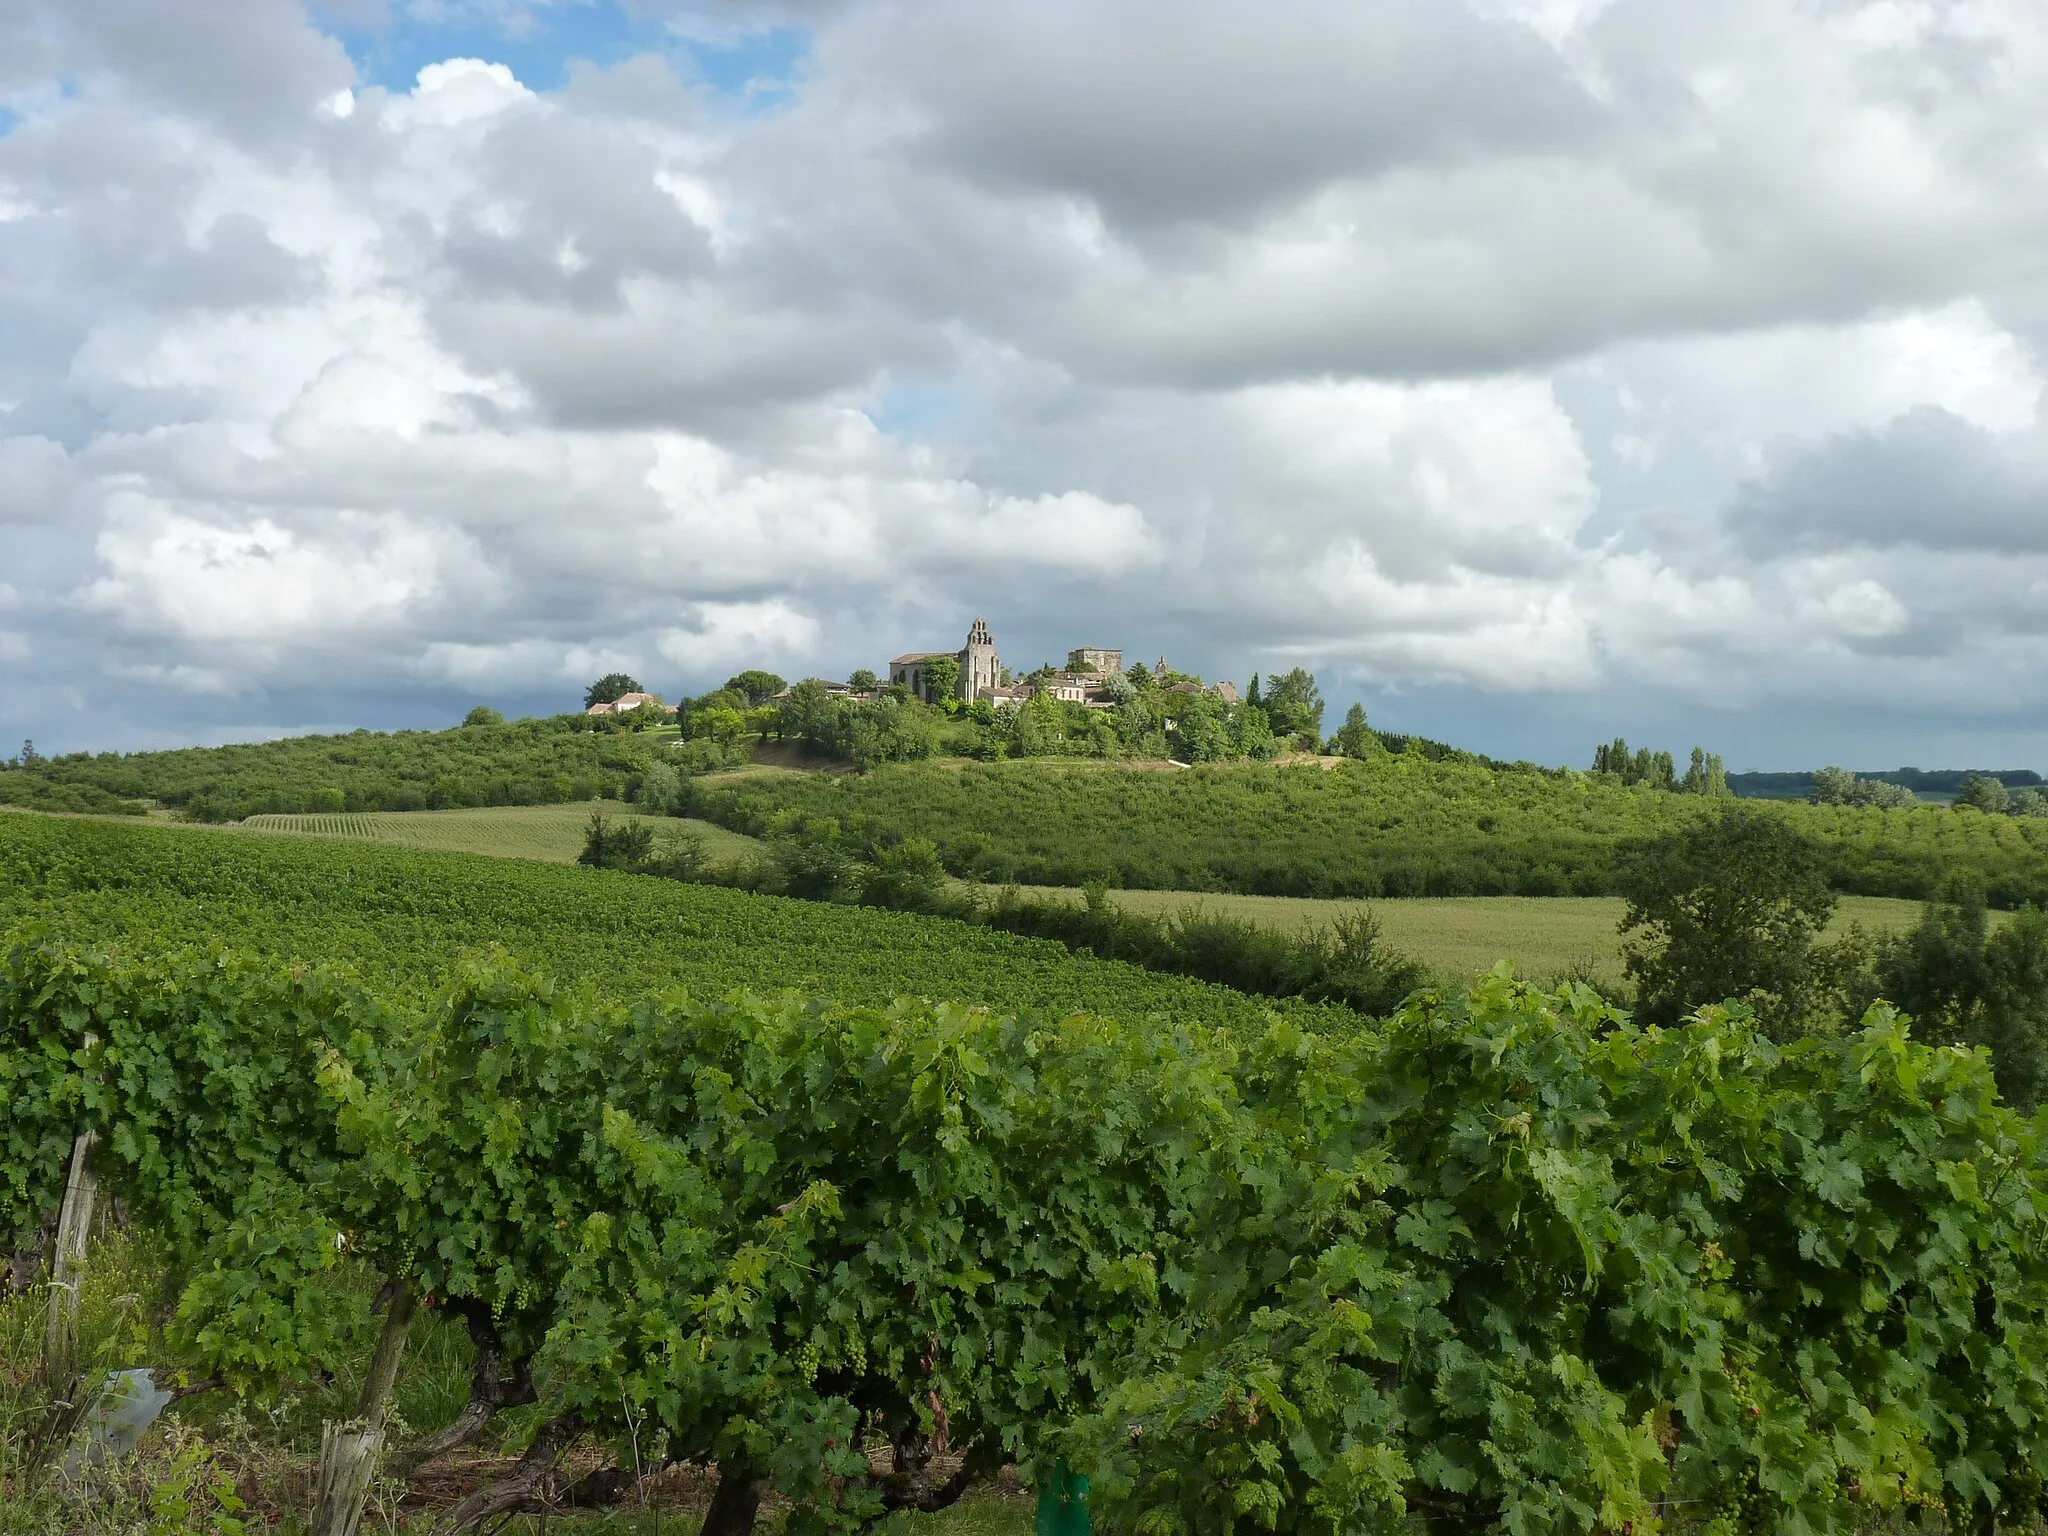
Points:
[1459,937]
[211,1459]
[551,833]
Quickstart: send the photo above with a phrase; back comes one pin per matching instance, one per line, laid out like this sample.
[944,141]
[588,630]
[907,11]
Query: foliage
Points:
[1354,737]
[865,732]
[863,680]
[942,680]
[755,685]
[483,714]
[1294,705]
[1966,985]
[526,762]
[1706,774]
[610,688]
[1510,1261]
[626,845]
[1727,908]
[1395,824]
[1838,786]
[1655,769]
[1345,961]
[1528,1266]
[1981,792]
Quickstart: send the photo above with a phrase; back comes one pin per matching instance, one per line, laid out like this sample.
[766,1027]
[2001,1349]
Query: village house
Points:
[625,702]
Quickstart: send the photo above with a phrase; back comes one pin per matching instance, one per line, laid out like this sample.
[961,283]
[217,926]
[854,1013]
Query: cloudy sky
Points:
[1534,370]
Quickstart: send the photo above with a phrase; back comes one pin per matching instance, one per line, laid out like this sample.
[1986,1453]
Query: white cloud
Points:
[722,635]
[456,92]
[253,581]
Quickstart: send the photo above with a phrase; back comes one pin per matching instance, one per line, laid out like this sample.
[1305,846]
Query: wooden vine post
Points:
[349,1450]
[67,1273]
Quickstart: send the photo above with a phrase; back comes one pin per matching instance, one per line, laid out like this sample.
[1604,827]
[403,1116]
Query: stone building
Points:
[1099,659]
[981,670]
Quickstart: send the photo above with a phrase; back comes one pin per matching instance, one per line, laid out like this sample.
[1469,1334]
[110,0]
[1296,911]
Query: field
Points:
[407,919]
[1392,826]
[552,833]
[1459,937]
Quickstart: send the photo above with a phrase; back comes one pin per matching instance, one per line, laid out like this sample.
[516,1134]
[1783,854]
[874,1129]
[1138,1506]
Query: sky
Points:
[1535,371]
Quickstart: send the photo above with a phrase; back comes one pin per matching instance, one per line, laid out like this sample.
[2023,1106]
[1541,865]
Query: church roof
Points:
[904,661]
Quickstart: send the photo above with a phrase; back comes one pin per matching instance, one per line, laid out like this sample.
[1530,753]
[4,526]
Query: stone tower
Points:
[980,668]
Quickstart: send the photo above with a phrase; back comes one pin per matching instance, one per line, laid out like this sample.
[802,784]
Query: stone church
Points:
[981,670]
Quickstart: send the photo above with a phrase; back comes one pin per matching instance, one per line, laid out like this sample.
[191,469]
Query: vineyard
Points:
[1504,1261]
[402,918]
[1398,825]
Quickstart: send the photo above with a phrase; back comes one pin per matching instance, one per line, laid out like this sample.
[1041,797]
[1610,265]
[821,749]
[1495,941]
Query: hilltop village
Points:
[975,671]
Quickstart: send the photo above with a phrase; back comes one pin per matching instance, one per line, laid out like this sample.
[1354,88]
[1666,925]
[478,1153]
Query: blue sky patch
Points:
[755,70]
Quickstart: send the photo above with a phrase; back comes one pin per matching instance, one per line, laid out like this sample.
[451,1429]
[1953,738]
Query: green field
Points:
[405,919]
[1458,937]
[553,833]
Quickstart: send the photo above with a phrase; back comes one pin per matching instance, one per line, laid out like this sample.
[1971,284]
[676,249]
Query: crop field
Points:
[408,919]
[1459,937]
[553,833]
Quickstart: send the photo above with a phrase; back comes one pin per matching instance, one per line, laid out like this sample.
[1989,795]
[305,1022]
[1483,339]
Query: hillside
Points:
[405,919]
[523,762]
[1391,826]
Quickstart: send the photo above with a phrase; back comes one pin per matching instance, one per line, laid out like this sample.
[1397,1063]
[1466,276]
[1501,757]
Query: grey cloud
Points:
[36,479]
[1929,481]
[565,212]
[256,67]
[1212,111]
[234,265]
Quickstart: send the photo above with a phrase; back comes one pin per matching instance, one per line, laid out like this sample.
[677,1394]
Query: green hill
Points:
[523,762]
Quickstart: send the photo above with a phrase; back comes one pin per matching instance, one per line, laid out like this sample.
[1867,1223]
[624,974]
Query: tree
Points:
[1655,769]
[1964,985]
[1295,705]
[483,714]
[1706,776]
[863,681]
[942,681]
[1982,792]
[757,686]
[1832,786]
[609,689]
[1354,738]
[1727,908]
[721,722]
